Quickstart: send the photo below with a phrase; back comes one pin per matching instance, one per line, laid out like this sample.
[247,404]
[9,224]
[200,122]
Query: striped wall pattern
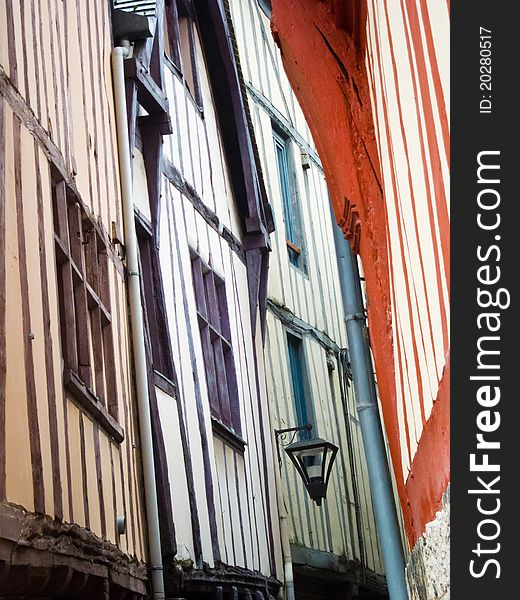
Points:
[308,304]
[223,498]
[407,62]
[56,123]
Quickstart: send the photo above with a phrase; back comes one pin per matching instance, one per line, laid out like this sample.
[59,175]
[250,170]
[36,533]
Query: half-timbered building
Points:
[203,225]
[72,491]
[372,78]
[145,358]
[71,499]
[333,547]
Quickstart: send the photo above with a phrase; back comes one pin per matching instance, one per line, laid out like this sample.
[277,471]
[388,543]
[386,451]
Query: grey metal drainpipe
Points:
[371,431]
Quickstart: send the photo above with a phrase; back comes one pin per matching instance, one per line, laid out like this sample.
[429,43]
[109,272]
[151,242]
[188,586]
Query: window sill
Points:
[227,435]
[292,246]
[92,404]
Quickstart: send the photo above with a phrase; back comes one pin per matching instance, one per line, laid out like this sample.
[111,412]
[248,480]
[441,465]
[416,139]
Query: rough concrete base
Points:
[428,571]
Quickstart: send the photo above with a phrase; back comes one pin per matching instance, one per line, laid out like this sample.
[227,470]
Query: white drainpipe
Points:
[136,319]
[284,535]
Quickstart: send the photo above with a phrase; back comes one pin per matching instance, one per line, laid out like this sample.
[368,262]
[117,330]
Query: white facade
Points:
[305,301]
[221,477]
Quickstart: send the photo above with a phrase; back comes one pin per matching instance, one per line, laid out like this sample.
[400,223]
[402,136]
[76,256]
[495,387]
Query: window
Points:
[154,301]
[171,33]
[303,411]
[290,204]
[84,307]
[180,43]
[215,334]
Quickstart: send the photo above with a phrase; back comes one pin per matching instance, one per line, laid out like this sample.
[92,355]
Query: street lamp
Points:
[313,459]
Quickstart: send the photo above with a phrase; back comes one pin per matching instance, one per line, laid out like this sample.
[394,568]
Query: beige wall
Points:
[58,123]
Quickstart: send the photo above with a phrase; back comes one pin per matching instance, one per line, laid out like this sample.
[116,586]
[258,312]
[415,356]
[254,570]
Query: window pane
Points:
[298,387]
[171,33]
[283,177]
[219,364]
[290,206]
[187,52]
[223,390]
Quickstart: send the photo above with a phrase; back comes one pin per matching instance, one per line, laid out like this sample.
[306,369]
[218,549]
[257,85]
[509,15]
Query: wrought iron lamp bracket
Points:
[282,434]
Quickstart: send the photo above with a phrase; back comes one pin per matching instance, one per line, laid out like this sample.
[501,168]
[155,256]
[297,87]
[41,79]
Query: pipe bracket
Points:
[359,316]
[365,405]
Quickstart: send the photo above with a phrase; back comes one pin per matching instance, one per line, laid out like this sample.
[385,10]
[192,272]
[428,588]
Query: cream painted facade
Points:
[201,123]
[205,225]
[69,449]
[305,302]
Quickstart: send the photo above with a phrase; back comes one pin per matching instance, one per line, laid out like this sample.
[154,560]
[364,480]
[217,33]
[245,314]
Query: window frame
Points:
[301,393]
[291,205]
[83,290]
[217,350]
[174,11]
[161,355]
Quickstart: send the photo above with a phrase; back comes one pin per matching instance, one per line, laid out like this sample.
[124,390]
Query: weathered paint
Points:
[307,303]
[372,81]
[56,124]
[222,497]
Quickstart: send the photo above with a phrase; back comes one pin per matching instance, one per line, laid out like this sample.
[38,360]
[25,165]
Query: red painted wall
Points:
[323,50]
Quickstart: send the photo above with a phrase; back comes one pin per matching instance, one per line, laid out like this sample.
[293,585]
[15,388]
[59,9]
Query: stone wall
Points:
[428,571]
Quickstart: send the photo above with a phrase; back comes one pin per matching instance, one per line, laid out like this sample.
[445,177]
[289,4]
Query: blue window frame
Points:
[304,413]
[291,209]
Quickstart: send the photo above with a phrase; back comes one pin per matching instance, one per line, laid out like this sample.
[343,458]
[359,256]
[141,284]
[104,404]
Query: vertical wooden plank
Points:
[52,76]
[82,332]
[239,500]
[68,458]
[209,366]
[28,89]
[49,365]
[99,481]
[221,508]
[78,45]
[61,222]
[103,290]
[34,430]
[91,247]
[198,283]
[110,371]
[3,365]
[58,22]
[93,88]
[35,72]
[65,283]
[11,46]
[76,236]
[212,302]
[96,332]
[84,482]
